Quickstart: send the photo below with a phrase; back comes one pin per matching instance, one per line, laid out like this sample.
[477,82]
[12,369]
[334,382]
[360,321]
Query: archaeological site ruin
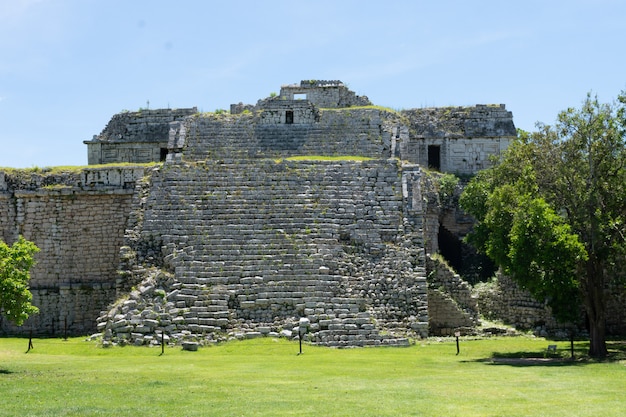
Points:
[310,204]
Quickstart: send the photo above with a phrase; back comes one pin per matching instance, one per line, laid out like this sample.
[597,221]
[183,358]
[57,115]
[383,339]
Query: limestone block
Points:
[190,346]
[150,323]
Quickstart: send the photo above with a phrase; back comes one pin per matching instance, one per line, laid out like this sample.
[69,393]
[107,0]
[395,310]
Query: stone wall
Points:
[280,111]
[504,300]
[77,219]
[324,93]
[616,309]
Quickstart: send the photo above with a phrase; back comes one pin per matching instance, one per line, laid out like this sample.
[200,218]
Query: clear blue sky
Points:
[66,66]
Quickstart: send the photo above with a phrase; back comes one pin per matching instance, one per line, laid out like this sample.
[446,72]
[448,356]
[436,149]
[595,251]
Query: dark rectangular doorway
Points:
[434,157]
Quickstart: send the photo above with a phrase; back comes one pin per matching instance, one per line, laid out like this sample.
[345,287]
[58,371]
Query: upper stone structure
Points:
[457,139]
[323,93]
[139,136]
[311,118]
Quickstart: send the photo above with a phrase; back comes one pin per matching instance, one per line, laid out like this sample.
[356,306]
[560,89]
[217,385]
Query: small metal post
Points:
[457,334]
[65,329]
[30,341]
[571,339]
[302,325]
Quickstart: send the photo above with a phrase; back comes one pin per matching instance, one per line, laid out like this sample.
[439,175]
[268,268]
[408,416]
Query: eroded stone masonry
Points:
[229,236]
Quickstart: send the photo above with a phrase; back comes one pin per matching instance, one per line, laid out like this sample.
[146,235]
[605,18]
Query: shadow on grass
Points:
[497,359]
[5,371]
[561,357]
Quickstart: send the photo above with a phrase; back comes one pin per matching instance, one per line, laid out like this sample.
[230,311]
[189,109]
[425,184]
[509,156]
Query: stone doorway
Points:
[289,117]
[434,157]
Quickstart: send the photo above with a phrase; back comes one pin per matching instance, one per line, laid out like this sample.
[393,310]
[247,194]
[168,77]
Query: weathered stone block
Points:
[190,346]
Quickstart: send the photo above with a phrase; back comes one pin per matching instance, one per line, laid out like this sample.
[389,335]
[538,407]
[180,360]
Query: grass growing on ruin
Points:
[328,158]
[369,107]
[72,168]
[266,377]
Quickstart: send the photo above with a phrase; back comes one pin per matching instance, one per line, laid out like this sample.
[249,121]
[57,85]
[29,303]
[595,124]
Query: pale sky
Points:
[67,66]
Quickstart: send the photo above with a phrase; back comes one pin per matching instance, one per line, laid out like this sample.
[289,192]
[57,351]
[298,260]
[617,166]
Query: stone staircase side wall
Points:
[443,278]
[445,316]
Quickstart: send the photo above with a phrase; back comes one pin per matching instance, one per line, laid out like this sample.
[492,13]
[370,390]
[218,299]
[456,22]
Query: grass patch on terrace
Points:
[370,107]
[266,377]
[347,110]
[73,168]
[327,158]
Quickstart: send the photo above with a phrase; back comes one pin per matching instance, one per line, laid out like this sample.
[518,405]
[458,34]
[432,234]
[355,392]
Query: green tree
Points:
[552,211]
[15,264]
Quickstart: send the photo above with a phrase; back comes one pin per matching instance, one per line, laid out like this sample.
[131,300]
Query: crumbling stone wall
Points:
[324,93]
[451,305]
[504,300]
[139,136]
[77,219]
[616,309]
[280,111]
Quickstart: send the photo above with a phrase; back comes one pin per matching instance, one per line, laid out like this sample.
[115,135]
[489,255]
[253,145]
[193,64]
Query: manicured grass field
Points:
[266,377]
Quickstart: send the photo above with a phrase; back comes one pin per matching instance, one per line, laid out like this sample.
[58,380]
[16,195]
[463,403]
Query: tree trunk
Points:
[596,308]
[597,339]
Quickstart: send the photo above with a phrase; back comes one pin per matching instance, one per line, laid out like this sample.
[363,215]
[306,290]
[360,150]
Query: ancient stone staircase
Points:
[254,246]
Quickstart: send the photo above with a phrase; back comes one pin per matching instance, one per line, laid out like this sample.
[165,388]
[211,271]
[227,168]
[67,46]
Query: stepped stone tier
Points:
[230,237]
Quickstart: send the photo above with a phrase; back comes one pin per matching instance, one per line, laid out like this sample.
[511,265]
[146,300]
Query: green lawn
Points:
[266,377]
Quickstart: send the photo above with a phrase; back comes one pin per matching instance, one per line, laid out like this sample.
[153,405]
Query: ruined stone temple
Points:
[310,118]
[241,228]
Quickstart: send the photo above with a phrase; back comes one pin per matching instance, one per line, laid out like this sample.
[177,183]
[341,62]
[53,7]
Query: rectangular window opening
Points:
[289,117]
[163,155]
[299,96]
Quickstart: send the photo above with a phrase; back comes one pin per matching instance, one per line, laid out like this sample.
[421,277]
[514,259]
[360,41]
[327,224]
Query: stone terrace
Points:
[365,132]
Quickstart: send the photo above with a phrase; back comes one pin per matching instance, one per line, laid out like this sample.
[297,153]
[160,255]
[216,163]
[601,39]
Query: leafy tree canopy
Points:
[552,211]
[15,264]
